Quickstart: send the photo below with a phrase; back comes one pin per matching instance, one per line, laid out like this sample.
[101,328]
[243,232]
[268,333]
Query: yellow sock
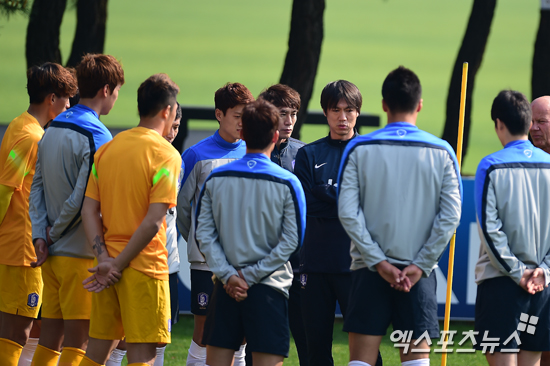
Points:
[9,352]
[71,356]
[87,362]
[44,356]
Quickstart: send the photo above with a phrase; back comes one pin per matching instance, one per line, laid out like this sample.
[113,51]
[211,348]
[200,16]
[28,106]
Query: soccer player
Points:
[287,101]
[512,190]
[125,224]
[65,158]
[199,160]
[325,260]
[250,219]
[49,87]
[399,200]
[116,356]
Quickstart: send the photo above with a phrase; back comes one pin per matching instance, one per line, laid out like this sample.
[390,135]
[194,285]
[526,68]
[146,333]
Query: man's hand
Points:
[49,240]
[533,280]
[236,287]
[392,275]
[104,275]
[410,275]
[41,249]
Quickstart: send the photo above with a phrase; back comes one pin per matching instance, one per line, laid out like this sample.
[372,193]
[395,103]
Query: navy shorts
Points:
[500,304]
[173,281]
[374,305]
[262,318]
[201,291]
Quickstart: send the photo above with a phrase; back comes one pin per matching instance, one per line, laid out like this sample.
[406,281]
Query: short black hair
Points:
[401,90]
[341,89]
[259,122]
[178,112]
[155,93]
[514,110]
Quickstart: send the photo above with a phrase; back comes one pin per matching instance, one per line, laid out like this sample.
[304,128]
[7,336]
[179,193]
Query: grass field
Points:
[176,353]
[203,45]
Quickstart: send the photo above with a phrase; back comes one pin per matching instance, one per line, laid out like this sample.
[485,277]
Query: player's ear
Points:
[384,106]
[165,112]
[219,114]
[51,98]
[419,107]
[275,136]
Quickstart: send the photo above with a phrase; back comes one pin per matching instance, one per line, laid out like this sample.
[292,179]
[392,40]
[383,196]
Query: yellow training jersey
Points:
[137,168]
[17,161]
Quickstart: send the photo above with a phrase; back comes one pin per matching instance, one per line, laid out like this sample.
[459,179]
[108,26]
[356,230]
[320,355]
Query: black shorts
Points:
[373,305]
[500,304]
[201,291]
[262,318]
[173,282]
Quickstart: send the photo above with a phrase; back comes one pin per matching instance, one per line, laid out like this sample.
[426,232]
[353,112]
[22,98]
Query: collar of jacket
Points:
[333,142]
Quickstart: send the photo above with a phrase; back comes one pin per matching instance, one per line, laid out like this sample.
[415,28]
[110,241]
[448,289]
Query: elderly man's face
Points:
[540,129]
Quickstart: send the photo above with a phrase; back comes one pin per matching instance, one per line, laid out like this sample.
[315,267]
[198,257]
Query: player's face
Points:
[341,120]
[540,129]
[287,119]
[111,99]
[231,123]
[60,105]
[168,124]
[173,131]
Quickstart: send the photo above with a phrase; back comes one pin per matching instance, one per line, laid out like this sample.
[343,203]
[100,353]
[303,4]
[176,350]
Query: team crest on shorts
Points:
[202,299]
[32,300]
[303,279]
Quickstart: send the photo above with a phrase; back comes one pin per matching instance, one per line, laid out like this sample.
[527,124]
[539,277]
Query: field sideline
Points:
[246,41]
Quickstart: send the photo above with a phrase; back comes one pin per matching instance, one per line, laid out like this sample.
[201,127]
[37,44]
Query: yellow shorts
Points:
[20,290]
[64,295]
[138,307]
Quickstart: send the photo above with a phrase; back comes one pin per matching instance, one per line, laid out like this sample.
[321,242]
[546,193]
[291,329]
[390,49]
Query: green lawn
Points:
[176,353]
[203,45]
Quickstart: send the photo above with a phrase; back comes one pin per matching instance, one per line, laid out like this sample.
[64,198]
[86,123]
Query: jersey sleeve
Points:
[164,180]
[92,190]
[19,162]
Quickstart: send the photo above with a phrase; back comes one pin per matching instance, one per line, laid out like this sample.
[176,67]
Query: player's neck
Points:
[267,151]
[95,104]
[39,113]
[402,117]
[152,123]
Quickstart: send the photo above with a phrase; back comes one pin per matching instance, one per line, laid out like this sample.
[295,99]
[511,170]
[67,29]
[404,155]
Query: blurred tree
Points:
[44,28]
[540,77]
[471,51]
[10,7]
[304,50]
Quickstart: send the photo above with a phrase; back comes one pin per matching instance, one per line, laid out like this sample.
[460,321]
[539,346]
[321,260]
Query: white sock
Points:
[159,361]
[28,351]
[196,356]
[358,363]
[418,362]
[239,358]
[116,357]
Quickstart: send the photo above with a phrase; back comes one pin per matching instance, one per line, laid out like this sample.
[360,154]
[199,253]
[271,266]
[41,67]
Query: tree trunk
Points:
[89,37]
[540,79]
[42,43]
[471,51]
[304,49]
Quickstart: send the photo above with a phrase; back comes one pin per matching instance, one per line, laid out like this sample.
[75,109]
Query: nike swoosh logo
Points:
[318,166]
